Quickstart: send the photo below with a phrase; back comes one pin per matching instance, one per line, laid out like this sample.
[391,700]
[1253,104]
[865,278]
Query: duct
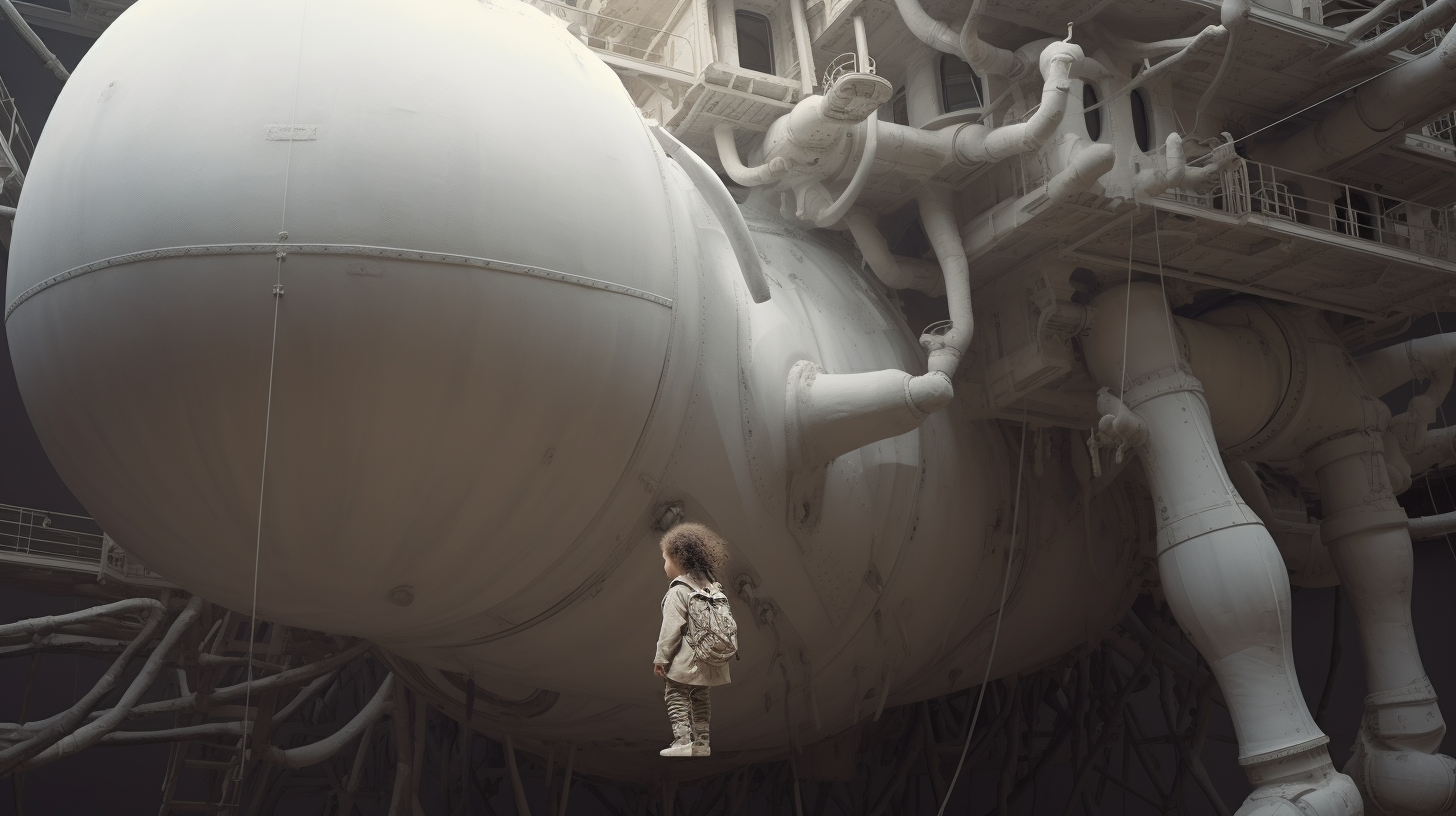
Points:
[937,215]
[33,40]
[724,207]
[1221,572]
[894,271]
[929,30]
[1086,165]
[1384,370]
[1406,95]
[89,734]
[1057,61]
[1433,16]
[314,753]
[767,173]
[988,60]
[833,414]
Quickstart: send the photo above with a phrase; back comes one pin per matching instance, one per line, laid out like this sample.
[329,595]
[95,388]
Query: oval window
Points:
[1142,121]
[1093,118]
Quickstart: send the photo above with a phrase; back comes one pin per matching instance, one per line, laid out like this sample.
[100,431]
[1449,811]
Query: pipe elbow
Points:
[1082,171]
[988,60]
[1423,358]
[927,29]
[775,169]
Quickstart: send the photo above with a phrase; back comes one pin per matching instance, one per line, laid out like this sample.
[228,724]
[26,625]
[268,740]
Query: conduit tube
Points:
[1384,370]
[316,752]
[1057,61]
[775,169]
[1221,573]
[33,40]
[988,60]
[929,30]
[1408,94]
[937,215]
[724,207]
[893,271]
[1086,165]
[801,42]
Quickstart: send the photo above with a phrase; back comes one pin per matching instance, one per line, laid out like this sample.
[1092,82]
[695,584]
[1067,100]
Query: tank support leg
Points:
[1222,575]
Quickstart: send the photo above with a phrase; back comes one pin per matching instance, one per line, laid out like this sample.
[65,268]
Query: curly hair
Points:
[698,550]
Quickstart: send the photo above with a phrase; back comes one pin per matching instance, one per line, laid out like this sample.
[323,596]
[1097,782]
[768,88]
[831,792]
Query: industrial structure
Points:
[384,339]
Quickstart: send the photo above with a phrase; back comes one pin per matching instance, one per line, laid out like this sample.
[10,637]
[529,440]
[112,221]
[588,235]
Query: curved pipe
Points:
[87,735]
[33,40]
[316,752]
[1426,527]
[893,271]
[988,60]
[1028,136]
[724,207]
[1153,182]
[929,30]
[937,215]
[50,623]
[775,169]
[1439,450]
[833,414]
[1082,171]
[847,198]
[1386,369]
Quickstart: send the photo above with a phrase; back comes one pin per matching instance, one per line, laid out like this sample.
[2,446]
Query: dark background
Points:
[127,780]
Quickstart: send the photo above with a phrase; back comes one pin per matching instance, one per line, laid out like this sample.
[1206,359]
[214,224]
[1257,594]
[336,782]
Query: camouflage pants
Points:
[689,708]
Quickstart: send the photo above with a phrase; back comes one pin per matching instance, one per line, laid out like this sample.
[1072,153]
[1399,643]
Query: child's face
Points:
[670,566]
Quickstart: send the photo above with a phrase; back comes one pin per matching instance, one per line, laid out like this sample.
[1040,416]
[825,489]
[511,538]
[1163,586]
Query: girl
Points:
[692,555]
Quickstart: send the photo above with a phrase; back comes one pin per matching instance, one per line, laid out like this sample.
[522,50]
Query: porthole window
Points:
[960,87]
[755,42]
[1092,117]
[1142,122]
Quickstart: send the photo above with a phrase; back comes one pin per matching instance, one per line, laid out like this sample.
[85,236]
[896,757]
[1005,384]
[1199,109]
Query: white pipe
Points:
[801,42]
[1425,527]
[893,271]
[1221,572]
[50,623]
[1028,136]
[7,212]
[836,211]
[316,752]
[1082,171]
[725,26]
[938,217]
[1152,181]
[724,207]
[1433,16]
[1439,450]
[833,414]
[87,735]
[927,29]
[33,40]
[1358,27]
[988,60]
[861,46]
[1384,370]
[775,169]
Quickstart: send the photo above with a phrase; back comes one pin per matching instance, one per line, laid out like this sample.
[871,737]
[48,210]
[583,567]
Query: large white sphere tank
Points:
[468,226]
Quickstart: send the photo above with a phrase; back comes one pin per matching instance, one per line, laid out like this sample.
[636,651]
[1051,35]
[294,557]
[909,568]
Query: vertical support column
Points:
[801,42]
[725,29]
[861,46]
[922,94]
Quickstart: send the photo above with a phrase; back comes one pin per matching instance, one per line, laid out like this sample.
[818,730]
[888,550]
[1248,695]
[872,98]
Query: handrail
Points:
[1250,188]
[602,33]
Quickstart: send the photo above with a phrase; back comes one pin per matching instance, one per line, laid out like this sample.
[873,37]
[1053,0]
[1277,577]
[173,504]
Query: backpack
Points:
[712,633]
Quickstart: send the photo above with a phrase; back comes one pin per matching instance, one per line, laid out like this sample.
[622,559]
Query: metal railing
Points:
[622,38]
[15,149]
[49,535]
[1443,128]
[846,64]
[1251,188]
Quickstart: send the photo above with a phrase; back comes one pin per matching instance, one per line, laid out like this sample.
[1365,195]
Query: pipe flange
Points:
[1283,424]
[1281,753]
[1346,523]
[1169,380]
[1421,691]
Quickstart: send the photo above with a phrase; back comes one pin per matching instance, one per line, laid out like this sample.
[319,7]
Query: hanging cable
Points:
[1000,613]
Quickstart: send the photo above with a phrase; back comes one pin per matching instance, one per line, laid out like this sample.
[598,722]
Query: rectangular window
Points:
[755,42]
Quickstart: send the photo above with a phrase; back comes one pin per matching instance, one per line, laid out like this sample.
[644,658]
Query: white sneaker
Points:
[700,747]
[680,747]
